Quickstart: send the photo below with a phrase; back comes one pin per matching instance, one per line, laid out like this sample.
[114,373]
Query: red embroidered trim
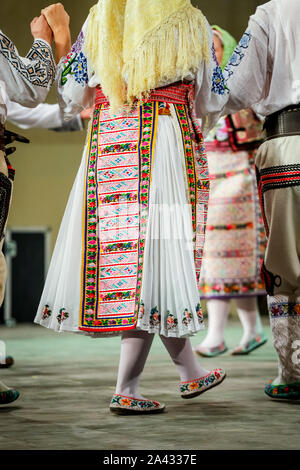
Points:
[176,93]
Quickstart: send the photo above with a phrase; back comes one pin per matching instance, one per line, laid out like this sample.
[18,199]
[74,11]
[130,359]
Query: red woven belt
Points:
[177,93]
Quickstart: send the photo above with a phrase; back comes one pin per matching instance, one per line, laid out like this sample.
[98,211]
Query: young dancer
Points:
[128,255]
[264,73]
[27,82]
[235,237]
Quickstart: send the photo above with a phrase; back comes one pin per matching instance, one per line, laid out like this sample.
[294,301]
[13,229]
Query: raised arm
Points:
[76,87]
[211,93]
[246,74]
[243,83]
[28,79]
[59,21]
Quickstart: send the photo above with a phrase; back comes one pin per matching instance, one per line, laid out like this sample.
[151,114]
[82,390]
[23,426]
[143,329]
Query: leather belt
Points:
[283,123]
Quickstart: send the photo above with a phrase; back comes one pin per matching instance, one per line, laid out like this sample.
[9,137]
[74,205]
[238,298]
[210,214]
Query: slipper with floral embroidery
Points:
[210,352]
[8,362]
[255,343]
[283,391]
[8,396]
[121,404]
[193,388]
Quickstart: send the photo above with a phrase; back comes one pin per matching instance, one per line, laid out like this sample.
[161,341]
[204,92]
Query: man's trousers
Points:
[278,171]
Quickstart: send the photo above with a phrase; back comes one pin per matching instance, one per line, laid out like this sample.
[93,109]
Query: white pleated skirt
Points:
[170,301]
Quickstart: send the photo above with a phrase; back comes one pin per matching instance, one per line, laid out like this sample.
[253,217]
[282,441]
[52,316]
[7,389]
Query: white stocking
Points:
[180,350]
[218,310]
[135,347]
[248,313]
[3,387]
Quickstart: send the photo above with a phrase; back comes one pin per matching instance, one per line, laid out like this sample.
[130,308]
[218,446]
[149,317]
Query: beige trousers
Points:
[278,168]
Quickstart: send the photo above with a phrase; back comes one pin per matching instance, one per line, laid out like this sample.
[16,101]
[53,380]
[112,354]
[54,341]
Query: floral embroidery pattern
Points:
[182,115]
[118,296]
[123,311]
[132,403]
[46,312]
[80,69]
[233,288]
[62,316]
[148,113]
[172,321]
[238,55]
[246,225]
[77,46]
[284,309]
[283,390]
[76,65]
[218,83]
[141,311]
[91,227]
[155,318]
[113,198]
[114,247]
[187,318]
[201,384]
[118,148]
[199,313]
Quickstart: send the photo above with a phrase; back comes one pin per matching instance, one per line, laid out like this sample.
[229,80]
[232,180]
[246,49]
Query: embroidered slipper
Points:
[121,404]
[8,362]
[193,388]
[210,352]
[283,391]
[9,396]
[255,343]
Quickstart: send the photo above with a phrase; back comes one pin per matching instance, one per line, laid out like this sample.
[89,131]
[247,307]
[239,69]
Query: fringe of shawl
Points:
[103,47]
[172,49]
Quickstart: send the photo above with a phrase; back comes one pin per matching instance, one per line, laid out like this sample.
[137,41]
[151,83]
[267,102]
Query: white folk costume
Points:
[235,239]
[121,262]
[264,73]
[128,255]
[26,81]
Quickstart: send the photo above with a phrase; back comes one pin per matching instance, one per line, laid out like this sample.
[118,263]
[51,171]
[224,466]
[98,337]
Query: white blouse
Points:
[44,116]
[264,71]
[24,80]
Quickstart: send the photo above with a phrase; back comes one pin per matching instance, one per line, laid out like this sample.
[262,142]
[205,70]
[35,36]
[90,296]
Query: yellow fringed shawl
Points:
[135,46]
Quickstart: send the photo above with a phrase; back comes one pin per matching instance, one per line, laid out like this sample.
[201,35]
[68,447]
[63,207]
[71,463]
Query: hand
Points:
[40,29]
[87,113]
[57,18]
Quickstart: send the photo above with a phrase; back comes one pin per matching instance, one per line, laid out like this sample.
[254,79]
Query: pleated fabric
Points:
[170,302]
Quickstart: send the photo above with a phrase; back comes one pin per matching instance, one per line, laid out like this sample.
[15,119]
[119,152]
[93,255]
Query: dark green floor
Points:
[66,382]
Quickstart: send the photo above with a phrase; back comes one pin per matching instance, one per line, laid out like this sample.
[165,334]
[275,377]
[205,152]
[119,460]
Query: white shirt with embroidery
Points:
[264,71]
[25,80]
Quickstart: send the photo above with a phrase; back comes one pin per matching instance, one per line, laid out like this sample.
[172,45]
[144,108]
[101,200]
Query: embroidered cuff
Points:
[45,67]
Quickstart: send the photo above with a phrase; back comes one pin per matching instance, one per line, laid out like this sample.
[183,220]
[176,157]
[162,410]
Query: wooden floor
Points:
[66,382]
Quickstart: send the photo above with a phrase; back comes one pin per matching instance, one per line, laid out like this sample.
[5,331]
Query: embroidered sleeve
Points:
[75,64]
[75,88]
[246,74]
[238,55]
[211,93]
[218,83]
[38,68]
